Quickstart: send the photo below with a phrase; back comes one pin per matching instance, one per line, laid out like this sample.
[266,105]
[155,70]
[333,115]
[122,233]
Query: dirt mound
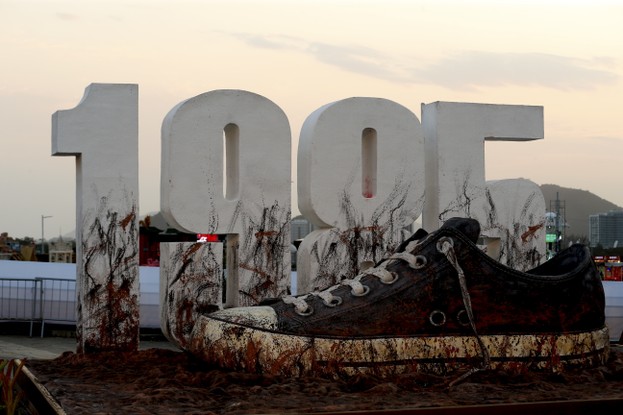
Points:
[157,381]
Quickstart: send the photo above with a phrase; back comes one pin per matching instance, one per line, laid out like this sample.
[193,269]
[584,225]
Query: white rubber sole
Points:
[239,347]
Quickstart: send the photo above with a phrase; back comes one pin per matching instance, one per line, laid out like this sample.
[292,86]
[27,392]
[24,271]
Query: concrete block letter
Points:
[455,135]
[102,133]
[361,180]
[226,170]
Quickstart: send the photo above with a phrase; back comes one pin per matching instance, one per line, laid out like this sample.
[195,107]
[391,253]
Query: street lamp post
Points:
[42,233]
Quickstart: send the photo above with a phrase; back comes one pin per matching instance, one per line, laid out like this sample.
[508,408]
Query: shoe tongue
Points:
[467,226]
[421,233]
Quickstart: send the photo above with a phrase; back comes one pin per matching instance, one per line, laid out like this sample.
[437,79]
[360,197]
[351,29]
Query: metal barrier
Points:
[38,300]
[18,300]
[57,300]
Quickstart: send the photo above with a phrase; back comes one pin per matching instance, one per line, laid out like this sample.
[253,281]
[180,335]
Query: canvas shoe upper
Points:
[418,291]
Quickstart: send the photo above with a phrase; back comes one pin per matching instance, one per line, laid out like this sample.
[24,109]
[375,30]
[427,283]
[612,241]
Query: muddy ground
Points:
[157,381]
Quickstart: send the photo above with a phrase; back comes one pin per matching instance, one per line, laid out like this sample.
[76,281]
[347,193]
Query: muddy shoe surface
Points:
[438,304]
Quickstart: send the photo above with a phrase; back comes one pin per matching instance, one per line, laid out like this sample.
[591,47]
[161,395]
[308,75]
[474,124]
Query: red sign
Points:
[207,237]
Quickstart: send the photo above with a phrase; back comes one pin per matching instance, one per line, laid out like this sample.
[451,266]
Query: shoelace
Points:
[357,288]
[445,245]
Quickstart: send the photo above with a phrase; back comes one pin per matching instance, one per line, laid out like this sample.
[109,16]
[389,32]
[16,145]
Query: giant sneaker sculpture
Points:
[438,304]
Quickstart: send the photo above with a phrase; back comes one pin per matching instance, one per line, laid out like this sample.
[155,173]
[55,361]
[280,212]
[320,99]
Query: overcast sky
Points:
[564,55]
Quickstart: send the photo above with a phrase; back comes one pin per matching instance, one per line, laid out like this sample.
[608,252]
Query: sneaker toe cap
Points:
[260,317]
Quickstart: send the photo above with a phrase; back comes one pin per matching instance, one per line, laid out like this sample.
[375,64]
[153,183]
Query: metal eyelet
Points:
[420,261]
[442,241]
[393,280]
[366,290]
[437,318]
[462,318]
[335,301]
[308,312]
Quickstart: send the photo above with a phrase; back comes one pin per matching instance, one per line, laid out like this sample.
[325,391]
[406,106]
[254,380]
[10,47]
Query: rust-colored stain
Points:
[190,252]
[519,253]
[516,252]
[108,305]
[530,232]
[344,249]
[193,273]
[263,253]
[128,219]
[251,356]
[266,234]
[255,270]
[184,320]
[266,352]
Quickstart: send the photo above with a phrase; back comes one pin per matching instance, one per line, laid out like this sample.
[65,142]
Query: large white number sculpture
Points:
[246,138]
[511,216]
[226,170]
[361,180]
[102,133]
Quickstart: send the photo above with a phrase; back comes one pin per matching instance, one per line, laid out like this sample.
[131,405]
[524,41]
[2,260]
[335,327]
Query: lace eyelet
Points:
[442,241]
[334,302]
[393,280]
[308,312]
[366,290]
[462,318]
[437,318]
[420,262]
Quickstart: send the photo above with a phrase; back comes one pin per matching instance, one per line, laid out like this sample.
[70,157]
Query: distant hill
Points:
[579,204]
